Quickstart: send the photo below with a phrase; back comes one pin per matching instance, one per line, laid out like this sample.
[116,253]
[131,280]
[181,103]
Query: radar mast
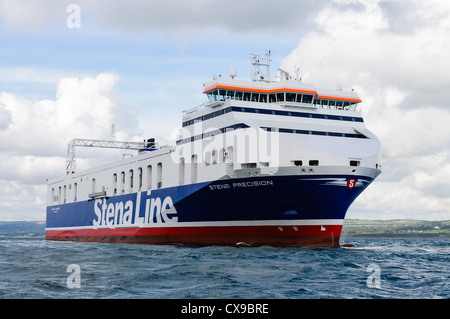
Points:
[258,74]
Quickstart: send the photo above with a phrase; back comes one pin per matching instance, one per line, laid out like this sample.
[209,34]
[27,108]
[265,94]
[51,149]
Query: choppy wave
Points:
[407,268]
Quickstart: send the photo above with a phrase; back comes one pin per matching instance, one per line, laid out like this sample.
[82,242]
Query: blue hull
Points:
[294,197]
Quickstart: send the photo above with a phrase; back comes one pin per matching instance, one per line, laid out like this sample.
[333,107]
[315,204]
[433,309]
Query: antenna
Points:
[297,74]
[286,74]
[258,75]
[113,133]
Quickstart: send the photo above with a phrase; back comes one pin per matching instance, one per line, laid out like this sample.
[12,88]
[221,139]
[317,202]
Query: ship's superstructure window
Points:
[115,183]
[207,158]
[122,180]
[214,156]
[280,97]
[248,165]
[290,97]
[212,96]
[355,163]
[313,163]
[213,133]
[194,167]
[307,98]
[139,178]
[222,155]
[181,172]
[222,95]
[298,163]
[131,180]
[273,112]
[159,175]
[268,129]
[149,177]
[75,192]
[336,104]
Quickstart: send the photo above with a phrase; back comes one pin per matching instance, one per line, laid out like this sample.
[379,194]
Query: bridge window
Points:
[213,96]
[280,97]
[307,98]
[238,95]
[290,97]
[222,95]
[272,98]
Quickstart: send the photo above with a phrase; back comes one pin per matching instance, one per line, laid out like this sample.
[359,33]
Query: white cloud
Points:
[32,15]
[35,135]
[83,108]
[399,72]
[170,16]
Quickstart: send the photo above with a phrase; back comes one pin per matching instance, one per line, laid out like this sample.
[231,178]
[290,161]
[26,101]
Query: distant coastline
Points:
[22,229]
[396,228]
[352,228]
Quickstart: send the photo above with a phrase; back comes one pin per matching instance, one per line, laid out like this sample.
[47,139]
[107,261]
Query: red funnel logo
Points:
[351,183]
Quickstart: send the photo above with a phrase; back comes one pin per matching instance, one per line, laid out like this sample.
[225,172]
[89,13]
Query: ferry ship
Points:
[268,161]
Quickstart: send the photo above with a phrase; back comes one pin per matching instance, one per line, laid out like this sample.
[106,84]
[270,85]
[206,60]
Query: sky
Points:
[72,69]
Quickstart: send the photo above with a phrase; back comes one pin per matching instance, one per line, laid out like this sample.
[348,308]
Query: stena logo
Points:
[120,213]
[351,183]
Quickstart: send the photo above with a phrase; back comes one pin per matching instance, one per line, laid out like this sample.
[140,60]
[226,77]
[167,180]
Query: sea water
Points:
[31,267]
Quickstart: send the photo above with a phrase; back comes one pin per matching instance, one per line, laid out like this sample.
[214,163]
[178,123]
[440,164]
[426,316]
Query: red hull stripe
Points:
[301,235]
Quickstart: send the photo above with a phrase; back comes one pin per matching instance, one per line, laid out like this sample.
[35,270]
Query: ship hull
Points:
[293,210]
[277,236]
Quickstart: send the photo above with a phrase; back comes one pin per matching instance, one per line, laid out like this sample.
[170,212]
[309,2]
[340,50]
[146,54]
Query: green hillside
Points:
[395,228]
